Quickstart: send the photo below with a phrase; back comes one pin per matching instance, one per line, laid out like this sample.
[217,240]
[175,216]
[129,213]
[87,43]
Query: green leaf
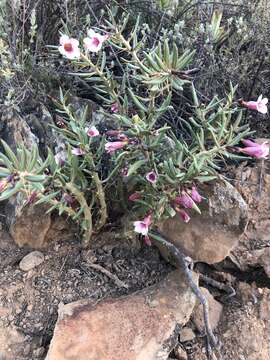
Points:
[135,167]
[11,191]
[35,178]
[10,154]
[47,198]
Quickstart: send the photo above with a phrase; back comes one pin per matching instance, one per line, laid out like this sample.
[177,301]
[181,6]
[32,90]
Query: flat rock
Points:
[31,260]
[215,312]
[211,236]
[141,326]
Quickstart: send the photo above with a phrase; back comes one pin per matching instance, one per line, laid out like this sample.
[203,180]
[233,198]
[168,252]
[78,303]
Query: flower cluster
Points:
[69,47]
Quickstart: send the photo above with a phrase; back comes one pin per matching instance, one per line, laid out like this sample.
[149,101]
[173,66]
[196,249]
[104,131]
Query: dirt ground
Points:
[29,300]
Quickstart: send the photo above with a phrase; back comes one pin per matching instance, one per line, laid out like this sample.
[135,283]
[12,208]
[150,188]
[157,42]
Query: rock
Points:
[180,353]
[12,343]
[211,236]
[141,326]
[187,334]
[31,260]
[245,332]
[29,225]
[215,311]
[254,249]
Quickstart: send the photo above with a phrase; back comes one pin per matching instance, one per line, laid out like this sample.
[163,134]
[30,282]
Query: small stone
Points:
[180,353]
[31,260]
[39,352]
[187,334]
[215,311]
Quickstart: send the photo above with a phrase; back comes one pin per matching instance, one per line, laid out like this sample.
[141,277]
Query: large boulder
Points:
[211,236]
[141,326]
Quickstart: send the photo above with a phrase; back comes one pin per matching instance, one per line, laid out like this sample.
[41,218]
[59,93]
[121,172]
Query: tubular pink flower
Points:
[92,131]
[111,147]
[94,41]
[3,185]
[184,200]
[259,151]
[115,107]
[78,151]
[135,196]
[195,195]
[184,215]
[69,47]
[147,240]
[260,105]
[142,227]
[151,177]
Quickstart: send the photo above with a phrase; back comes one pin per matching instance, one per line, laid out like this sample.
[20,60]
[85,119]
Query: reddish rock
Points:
[141,326]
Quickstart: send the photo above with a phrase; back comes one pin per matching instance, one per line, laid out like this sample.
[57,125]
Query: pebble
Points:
[31,260]
[187,334]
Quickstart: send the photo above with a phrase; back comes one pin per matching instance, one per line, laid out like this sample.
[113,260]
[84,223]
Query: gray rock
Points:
[31,260]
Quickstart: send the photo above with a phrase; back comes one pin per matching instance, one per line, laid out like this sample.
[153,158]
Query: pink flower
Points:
[78,151]
[151,177]
[135,196]
[69,47]
[111,147]
[94,41]
[195,195]
[92,131]
[115,107]
[184,200]
[124,171]
[147,240]
[259,151]
[142,227]
[3,184]
[259,105]
[184,215]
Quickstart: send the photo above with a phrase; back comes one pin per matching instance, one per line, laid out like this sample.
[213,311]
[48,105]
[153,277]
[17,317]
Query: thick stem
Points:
[88,222]
[100,193]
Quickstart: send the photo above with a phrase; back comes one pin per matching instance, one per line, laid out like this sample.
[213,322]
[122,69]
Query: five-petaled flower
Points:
[259,151]
[69,47]
[94,41]
[112,146]
[151,177]
[142,226]
[260,105]
[92,131]
[78,151]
